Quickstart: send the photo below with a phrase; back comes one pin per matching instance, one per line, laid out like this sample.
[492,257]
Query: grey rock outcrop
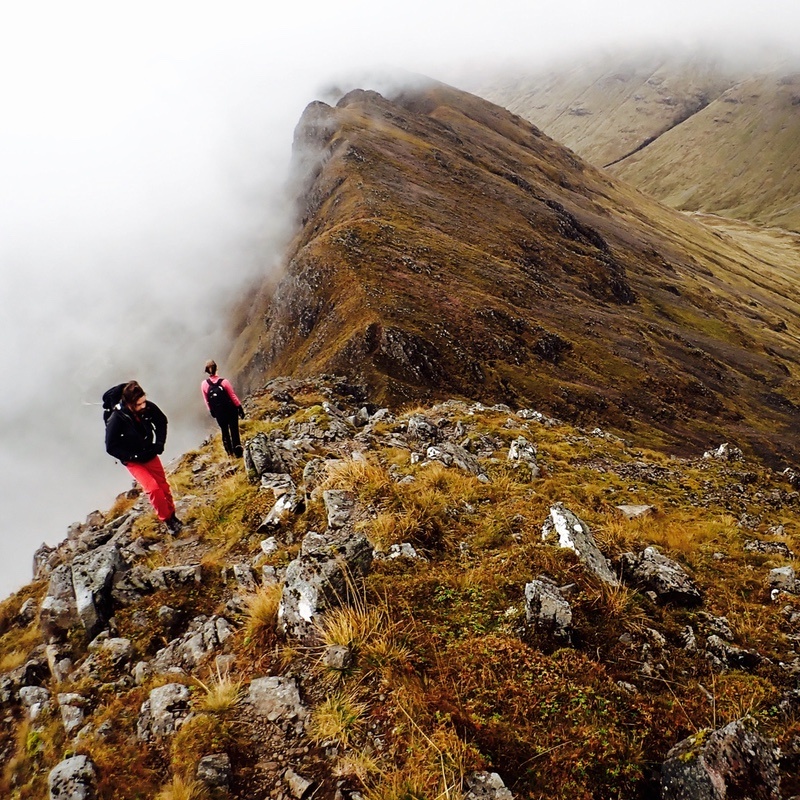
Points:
[652,571]
[734,761]
[204,636]
[321,577]
[34,698]
[175,577]
[93,577]
[73,779]
[783,579]
[214,771]
[59,611]
[547,609]
[725,452]
[277,699]
[340,507]
[72,707]
[486,786]
[262,456]
[453,455]
[522,451]
[564,528]
[164,711]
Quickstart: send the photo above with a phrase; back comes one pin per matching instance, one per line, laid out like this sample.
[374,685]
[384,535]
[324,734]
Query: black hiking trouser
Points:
[228,423]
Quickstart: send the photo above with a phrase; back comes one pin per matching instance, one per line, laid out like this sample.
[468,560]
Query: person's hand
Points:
[241,412]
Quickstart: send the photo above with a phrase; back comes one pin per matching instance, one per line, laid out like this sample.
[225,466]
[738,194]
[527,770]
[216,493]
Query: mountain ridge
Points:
[446,247]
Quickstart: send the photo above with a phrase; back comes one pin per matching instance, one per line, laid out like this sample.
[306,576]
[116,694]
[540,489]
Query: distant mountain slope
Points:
[696,133]
[447,247]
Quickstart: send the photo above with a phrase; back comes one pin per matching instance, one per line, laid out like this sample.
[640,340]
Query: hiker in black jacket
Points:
[136,432]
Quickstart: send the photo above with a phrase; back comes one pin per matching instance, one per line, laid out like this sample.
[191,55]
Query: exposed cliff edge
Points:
[446,247]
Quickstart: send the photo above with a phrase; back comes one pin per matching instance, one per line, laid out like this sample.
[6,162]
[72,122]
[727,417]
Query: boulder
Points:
[175,577]
[59,611]
[652,571]
[93,577]
[522,451]
[724,655]
[486,786]
[203,637]
[725,452]
[734,761]
[421,428]
[214,771]
[567,530]
[73,779]
[547,610]
[35,698]
[72,707]
[321,577]
[630,511]
[277,699]
[783,579]
[165,710]
[453,455]
[340,506]
[262,456]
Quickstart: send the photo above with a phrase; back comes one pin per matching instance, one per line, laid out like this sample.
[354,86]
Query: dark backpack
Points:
[219,401]
[111,399]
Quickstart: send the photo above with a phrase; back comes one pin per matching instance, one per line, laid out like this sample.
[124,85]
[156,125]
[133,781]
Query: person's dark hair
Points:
[211,367]
[131,393]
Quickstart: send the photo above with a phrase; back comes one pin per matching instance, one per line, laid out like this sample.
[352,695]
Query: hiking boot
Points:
[238,451]
[174,524]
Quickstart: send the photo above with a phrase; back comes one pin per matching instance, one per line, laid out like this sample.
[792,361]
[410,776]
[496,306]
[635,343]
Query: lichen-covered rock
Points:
[734,761]
[321,577]
[214,771]
[277,699]
[262,456]
[73,779]
[59,611]
[724,655]
[521,451]
[35,698]
[453,455]
[652,571]
[486,786]
[175,577]
[93,577]
[72,707]
[547,609]
[204,636]
[783,579]
[340,506]
[164,711]
[725,452]
[421,428]
[567,530]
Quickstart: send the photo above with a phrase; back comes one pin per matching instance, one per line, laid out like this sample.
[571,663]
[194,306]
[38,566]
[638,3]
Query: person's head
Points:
[133,396]
[211,367]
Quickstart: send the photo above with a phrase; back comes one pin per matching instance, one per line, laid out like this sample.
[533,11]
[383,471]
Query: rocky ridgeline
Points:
[101,568]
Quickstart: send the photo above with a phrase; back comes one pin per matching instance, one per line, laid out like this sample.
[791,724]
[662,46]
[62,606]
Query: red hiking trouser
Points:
[150,476]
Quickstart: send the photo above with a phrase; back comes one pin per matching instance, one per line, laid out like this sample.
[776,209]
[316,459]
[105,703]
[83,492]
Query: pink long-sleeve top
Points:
[225,385]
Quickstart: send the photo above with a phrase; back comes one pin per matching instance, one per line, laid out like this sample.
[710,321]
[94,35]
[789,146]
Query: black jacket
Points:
[136,438]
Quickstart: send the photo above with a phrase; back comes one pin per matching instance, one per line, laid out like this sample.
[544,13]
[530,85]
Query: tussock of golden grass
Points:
[339,718]
[221,696]
[12,660]
[364,479]
[261,611]
[359,765]
[349,626]
[220,519]
[182,789]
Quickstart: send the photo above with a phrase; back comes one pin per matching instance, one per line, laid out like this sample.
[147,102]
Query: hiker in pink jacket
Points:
[225,407]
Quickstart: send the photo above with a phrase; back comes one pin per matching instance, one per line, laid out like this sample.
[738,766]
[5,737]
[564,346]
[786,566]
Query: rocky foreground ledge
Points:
[481,602]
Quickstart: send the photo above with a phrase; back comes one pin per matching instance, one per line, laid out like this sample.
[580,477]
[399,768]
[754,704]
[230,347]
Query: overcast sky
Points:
[142,154]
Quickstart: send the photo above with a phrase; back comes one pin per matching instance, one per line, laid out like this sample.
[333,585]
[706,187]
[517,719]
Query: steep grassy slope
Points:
[445,674]
[446,247]
[736,157]
[607,109]
[696,133]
